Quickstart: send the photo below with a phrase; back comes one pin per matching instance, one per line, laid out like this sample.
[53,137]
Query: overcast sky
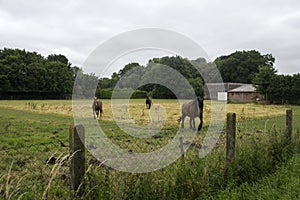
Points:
[75,28]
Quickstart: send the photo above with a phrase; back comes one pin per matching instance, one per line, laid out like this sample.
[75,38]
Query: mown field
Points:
[34,149]
[137,108]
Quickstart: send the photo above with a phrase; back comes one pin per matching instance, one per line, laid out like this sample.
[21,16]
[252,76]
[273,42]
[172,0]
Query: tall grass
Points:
[284,184]
[257,156]
[262,148]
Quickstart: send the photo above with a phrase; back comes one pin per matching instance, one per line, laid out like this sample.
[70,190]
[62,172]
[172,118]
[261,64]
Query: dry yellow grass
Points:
[135,110]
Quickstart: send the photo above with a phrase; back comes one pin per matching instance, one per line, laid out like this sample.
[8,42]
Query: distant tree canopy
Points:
[279,89]
[133,75]
[26,74]
[30,75]
[241,66]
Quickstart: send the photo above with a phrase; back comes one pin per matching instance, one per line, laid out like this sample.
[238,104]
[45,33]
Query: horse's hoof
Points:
[199,128]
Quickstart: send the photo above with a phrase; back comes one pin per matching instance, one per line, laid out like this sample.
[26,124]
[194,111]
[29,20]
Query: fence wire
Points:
[42,170]
[186,176]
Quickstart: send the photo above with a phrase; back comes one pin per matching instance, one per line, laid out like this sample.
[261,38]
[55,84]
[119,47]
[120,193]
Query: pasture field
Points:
[34,152]
[138,110]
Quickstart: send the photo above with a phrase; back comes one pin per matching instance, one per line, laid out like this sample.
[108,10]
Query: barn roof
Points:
[244,88]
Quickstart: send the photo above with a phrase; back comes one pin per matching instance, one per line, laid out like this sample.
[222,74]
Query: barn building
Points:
[233,92]
[244,93]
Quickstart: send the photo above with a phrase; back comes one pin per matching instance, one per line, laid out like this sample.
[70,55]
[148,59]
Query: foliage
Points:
[263,80]
[29,72]
[282,185]
[185,68]
[241,66]
[85,85]
[107,93]
[133,75]
[280,89]
[29,75]
[285,89]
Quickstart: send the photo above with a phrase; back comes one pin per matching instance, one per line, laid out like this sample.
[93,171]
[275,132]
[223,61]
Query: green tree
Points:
[24,72]
[105,82]
[295,88]
[241,66]
[280,88]
[127,68]
[208,70]
[59,58]
[184,67]
[263,79]
[130,75]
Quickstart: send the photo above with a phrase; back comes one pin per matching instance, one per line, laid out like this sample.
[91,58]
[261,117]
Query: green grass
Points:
[21,128]
[284,184]
[30,136]
[27,140]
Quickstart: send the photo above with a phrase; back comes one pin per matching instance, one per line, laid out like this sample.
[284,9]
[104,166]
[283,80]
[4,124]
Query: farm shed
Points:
[244,93]
[211,90]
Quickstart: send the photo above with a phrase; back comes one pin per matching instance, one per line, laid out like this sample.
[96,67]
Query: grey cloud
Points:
[76,28]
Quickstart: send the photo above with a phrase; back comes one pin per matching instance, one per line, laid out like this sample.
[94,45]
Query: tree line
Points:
[30,75]
[277,88]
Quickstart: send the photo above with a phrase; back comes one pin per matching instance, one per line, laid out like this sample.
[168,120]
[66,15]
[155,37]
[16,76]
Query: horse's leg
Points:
[182,121]
[94,113]
[192,123]
[101,112]
[201,121]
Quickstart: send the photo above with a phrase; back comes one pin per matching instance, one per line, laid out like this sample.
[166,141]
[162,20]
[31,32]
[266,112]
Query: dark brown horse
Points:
[193,109]
[97,107]
[148,102]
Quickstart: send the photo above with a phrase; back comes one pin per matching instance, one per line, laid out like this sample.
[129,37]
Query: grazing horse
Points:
[193,109]
[97,106]
[148,102]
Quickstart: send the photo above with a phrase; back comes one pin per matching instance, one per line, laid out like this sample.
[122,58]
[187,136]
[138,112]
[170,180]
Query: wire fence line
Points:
[43,170]
[238,129]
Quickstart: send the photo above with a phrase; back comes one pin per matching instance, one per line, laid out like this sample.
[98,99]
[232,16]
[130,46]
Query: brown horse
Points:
[148,102]
[193,109]
[97,106]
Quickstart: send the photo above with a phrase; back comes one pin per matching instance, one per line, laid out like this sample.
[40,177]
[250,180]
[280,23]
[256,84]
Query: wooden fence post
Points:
[77,155]
[230,137]
[289,122]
